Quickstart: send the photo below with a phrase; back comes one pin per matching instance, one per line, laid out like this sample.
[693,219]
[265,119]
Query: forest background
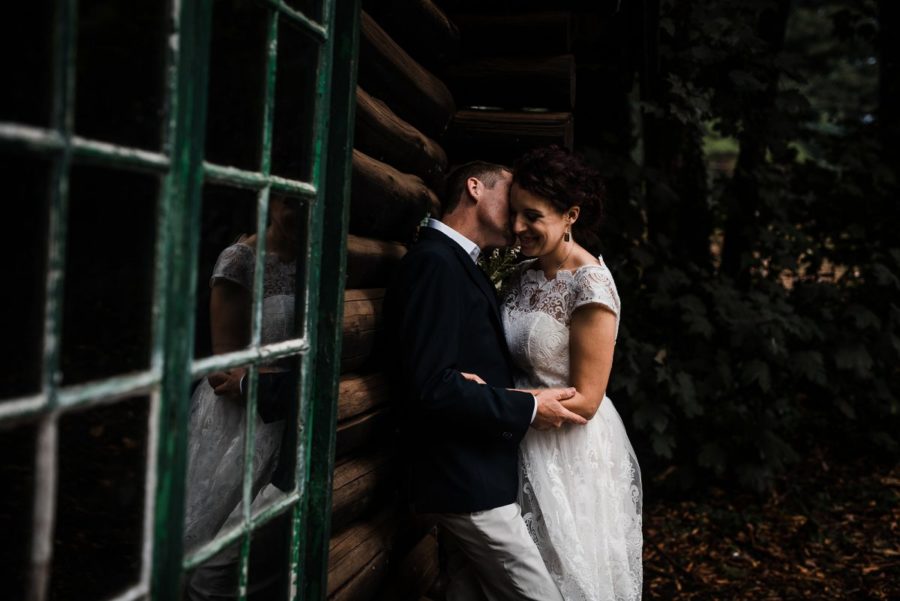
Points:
[754,234]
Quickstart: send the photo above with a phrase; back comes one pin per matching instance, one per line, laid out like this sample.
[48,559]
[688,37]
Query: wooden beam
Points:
[502,136]
[387,72]
[363,430]
[367,583]
[385,203]
[417,571]
[360,393]
[351,552]
[527,34]
[515,83]
[362,318]
[384,136]
[371,263]
[419,26]
[358,482]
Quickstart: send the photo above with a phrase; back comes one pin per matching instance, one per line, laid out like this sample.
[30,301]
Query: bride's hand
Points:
[228,382]
[473,377]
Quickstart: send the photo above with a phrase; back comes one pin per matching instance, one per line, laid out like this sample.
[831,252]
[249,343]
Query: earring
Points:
[567,236]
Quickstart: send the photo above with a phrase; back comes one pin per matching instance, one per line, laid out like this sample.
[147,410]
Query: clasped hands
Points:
[551,413]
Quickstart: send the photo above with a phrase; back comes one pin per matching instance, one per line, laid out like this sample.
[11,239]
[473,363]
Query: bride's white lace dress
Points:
[581,486]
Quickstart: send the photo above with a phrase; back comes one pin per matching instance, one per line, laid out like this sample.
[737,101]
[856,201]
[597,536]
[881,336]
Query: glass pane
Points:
[120,71]
[277,408]
[225,272]
[285,274]
[100,500]
[236,84]
[269,570]
[26,61]
[17,447]
[109,273]
[295,86]
[215,456]
[22,319]
[217,578]
[310,8]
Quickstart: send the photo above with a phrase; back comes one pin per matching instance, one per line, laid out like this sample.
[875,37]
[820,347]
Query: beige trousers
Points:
[491,557]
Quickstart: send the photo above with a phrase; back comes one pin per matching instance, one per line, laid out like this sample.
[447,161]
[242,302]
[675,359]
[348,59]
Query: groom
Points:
[461,437]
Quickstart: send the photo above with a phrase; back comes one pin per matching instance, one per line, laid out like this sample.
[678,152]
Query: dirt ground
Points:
[828,531]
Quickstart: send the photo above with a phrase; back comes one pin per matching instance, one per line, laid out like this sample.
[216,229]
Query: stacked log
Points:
[377,551]
[516,82]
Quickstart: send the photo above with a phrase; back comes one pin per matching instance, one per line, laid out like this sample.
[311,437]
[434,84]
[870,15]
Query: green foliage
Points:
[736,372]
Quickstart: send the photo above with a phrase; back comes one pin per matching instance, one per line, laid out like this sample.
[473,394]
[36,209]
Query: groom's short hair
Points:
[455,181]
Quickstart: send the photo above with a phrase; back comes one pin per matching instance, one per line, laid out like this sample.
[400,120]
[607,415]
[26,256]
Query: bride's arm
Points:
[592,339]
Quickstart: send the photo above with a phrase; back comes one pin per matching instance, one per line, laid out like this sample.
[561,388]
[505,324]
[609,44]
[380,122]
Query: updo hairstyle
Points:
[565,180]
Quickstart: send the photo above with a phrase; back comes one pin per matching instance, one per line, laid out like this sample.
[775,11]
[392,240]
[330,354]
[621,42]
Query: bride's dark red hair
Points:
[565,180]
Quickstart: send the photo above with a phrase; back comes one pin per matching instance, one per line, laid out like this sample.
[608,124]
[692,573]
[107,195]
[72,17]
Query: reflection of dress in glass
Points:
[581,487]
[216,426]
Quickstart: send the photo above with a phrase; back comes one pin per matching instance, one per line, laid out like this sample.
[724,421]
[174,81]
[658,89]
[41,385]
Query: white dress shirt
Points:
[473,251]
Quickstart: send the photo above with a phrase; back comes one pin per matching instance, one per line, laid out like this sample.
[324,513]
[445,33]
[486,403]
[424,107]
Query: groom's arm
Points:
[428,339]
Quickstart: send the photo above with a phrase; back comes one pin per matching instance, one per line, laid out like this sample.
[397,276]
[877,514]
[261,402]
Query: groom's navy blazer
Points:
[460,437]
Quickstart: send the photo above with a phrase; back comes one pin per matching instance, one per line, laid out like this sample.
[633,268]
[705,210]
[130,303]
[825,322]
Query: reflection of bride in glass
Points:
[218,406]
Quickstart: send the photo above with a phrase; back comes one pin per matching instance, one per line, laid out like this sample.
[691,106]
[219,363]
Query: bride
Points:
[581,486]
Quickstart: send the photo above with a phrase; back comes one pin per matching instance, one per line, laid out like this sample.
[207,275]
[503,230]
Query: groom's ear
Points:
[474,188]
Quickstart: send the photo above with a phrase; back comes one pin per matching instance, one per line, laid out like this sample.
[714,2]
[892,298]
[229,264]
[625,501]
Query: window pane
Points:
[120,69]
[215,457]
[295,86]
[225,272]
[27,74]
[236,84]
[285,276]
[17,447]
[277,407]
[217,578]
[310,8]
[100,500]
[109,273]
[22,318]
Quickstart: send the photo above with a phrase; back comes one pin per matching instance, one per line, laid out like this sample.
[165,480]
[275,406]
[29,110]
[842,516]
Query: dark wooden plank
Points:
[362,318]
[387,72]
[502,136]
[370,262]
[417,571]
[364,430]
[385,203]
[527,34]
[352,550]
[419,26]
[358,484]
[515,83]
[361,393]
[384,136]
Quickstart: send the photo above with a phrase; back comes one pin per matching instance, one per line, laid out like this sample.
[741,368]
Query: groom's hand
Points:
[550,412]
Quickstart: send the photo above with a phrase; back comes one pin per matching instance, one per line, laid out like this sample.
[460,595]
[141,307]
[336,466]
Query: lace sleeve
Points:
[235,264]
[594,285]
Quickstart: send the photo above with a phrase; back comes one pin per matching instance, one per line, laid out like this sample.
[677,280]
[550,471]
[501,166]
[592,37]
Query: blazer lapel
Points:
[478,276]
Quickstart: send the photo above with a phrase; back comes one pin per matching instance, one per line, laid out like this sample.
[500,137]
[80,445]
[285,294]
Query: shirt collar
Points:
[467,245]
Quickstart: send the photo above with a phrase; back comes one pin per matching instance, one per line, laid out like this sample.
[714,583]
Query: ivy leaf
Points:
[712,456]
[854,358]
[663,445]
[810,365]
[757,371]
[863,317]
[846,408]
[687,394]
[745,81]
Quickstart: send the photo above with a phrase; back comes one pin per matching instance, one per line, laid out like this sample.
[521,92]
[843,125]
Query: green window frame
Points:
[181,170]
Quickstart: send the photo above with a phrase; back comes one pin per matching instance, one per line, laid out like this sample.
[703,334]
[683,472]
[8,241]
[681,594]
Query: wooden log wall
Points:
[424,80]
